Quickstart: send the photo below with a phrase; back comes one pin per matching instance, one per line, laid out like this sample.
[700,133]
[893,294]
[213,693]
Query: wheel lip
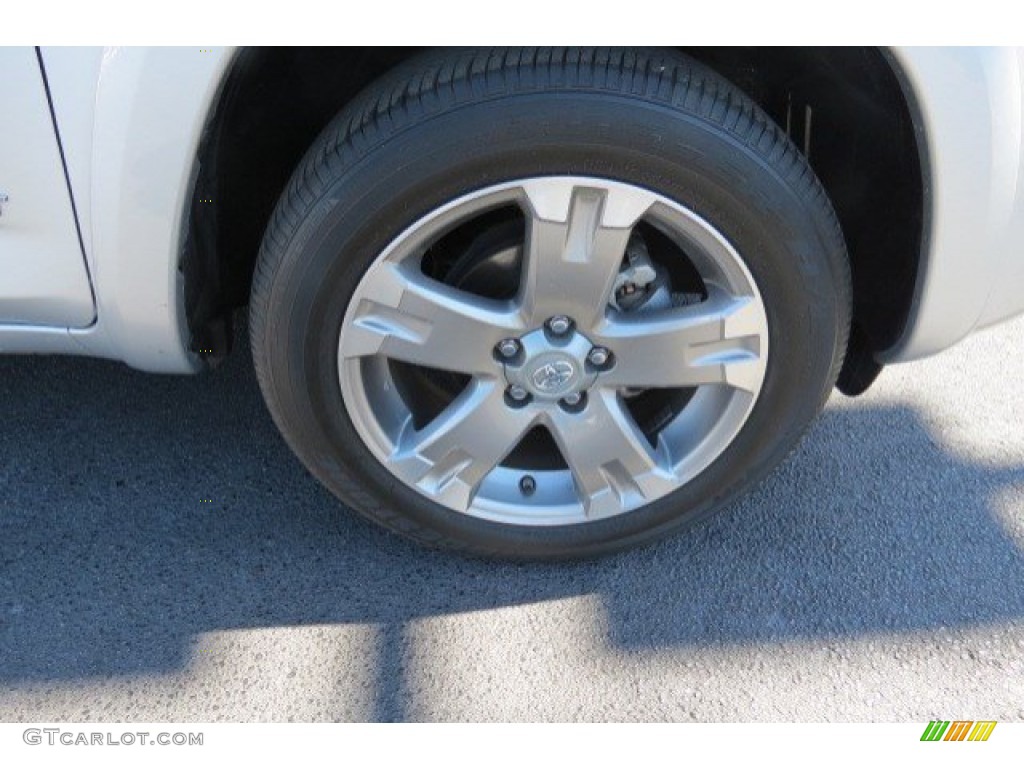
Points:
[734,406]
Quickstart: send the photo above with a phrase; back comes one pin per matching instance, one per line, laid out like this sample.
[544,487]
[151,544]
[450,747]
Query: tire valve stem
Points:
[527,485]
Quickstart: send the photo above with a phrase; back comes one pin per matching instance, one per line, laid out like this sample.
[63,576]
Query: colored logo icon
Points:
[958,730]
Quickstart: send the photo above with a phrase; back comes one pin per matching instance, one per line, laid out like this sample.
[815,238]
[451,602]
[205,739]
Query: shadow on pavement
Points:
[112,561]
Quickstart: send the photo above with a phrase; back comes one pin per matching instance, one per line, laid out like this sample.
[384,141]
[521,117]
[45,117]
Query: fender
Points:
[132,120]
[967,108]
[148,110]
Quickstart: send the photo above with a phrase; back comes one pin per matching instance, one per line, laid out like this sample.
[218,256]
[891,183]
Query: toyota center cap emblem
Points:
[551,377]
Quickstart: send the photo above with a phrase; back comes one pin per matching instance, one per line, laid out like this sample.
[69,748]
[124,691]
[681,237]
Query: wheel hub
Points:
[551,367]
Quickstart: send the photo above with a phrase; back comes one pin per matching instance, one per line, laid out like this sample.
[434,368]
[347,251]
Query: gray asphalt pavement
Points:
[164,557]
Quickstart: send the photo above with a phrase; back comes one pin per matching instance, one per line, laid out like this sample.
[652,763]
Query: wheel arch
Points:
[134,154]
[847,109]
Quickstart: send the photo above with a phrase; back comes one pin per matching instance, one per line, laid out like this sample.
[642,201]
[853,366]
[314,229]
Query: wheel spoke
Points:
[576,240]
[613,465]
[408,317]
[450,457]
[719,341]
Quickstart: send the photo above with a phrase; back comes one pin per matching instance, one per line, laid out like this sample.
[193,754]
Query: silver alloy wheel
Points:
[576,235]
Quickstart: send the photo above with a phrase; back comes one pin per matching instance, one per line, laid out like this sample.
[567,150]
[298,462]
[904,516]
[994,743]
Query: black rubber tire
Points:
[453,121]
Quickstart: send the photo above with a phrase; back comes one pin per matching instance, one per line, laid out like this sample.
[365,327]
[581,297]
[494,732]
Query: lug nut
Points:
[599,356]
[559,325]
[508,348]
[517,393]
[574,402]
[527,485]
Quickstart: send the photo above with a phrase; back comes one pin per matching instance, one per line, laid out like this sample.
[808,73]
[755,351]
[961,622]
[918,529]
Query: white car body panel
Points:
[137,115]
[969,104]
[131,121]
[43,280]
[151,105]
